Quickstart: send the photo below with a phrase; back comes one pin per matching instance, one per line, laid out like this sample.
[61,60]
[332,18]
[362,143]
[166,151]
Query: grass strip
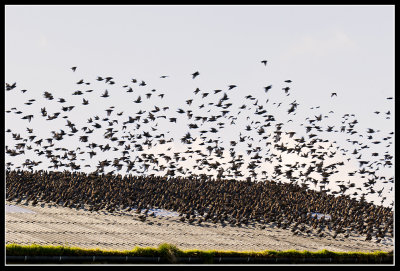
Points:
[171,253]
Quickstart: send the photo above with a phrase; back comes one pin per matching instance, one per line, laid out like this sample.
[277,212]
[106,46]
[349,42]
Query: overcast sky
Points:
[348,50]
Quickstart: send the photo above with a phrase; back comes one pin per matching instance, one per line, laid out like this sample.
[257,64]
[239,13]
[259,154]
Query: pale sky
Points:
[322,49]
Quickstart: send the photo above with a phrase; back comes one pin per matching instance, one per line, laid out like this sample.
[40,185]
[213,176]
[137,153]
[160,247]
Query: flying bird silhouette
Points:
[105,94]
[231,86]
[195,74]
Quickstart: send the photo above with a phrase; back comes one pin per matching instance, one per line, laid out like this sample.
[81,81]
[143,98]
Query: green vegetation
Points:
[171,253]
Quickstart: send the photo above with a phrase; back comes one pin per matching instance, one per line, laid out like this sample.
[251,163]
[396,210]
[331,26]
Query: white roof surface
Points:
[122,230]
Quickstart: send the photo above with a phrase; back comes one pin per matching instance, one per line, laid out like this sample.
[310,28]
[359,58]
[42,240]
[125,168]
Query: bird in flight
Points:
[195,74]
[231,86]
[73,69]
[267,88]
[333,94]
[105,94]
[10,87]
[286,89]
[264,62]
[28,117]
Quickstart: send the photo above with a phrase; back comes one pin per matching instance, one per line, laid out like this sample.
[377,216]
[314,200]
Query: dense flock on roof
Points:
[198,200]
[202,178]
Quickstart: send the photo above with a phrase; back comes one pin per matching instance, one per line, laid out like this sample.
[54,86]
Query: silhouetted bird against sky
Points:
[231,86]
[10,87]
[195,74]
[105,94]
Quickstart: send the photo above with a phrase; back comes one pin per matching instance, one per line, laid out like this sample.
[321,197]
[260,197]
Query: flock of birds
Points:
[209,188]
[197,200]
